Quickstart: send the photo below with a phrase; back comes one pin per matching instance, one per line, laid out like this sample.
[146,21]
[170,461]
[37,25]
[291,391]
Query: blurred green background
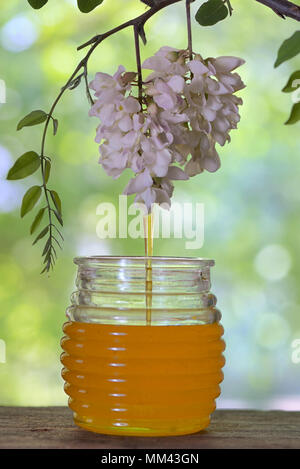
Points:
[251,204]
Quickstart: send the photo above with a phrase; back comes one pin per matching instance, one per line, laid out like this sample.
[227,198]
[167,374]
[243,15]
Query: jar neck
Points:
[115,287]
[169,275]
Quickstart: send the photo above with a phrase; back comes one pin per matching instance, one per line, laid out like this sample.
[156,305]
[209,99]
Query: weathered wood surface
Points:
[52,427]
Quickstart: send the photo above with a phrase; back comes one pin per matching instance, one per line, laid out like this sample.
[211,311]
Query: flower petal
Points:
[226,63]
[139,184]
[176,174]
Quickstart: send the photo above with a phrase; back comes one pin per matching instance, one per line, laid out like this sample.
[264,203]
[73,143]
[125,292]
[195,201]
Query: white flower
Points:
[113,162]
[188,107]
[156,160]
[166,62]
[104,82]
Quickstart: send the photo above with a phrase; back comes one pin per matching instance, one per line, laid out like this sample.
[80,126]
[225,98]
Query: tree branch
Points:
[283,8]
[189,28]
[138,64]
[138,21]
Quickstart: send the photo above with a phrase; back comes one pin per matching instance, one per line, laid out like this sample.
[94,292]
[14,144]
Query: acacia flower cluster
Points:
[169,133]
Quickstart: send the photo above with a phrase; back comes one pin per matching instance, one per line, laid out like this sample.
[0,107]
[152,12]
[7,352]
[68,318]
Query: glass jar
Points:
[140,361]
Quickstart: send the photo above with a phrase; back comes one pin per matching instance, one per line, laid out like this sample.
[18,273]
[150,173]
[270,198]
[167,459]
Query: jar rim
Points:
[140,260]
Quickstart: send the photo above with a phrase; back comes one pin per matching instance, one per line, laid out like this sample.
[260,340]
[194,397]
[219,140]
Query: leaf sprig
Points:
[289,49]
[26,165]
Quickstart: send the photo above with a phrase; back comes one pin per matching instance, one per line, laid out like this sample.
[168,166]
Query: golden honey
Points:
[142,380]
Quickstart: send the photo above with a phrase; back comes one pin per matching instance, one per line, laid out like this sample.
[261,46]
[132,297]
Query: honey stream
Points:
[148,235]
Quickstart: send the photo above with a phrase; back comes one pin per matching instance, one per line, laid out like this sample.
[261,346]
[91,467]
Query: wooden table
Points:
[52,427]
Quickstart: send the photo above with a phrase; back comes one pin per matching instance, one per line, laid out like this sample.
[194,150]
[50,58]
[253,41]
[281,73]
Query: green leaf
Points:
[85,6]
[293,83]
[289,49]
[211,12]
[30,199]
[26,165]
[41,235]
[47,246]
[295,115]
[33,118]
[47,257]
[55,126]
[45,269]
[56,201]
[36,4]
[37,220]
[58,216]
[47,170]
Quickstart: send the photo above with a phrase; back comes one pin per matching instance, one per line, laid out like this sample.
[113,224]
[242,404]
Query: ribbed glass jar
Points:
[127,375]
